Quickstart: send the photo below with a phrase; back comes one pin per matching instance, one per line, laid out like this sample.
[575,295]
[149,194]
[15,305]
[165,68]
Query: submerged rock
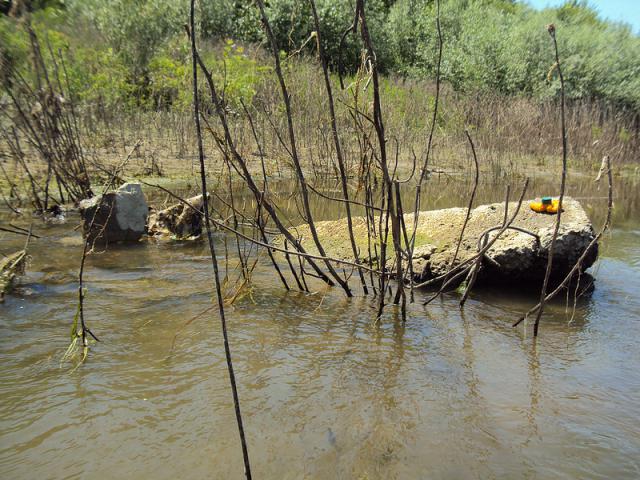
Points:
[514,256]
[178,221]
[120,216]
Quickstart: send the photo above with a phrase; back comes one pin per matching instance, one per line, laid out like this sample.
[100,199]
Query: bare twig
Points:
[214,261]
[543,293]
[336,141]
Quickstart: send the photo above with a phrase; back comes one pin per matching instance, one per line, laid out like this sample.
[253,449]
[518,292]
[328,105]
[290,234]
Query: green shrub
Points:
[14,48]
[134,52]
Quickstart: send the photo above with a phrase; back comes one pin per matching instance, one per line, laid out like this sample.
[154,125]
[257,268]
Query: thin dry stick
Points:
[18,232]
[85,250]
[472,271]
[224,226]
[464,267]
[543,293]
[286,99]
[336,199]
[424,169]
[391,208]
[265,185]
[263,235]
[214,261]
[476,178]
[246,175]
[577,266]
[400,293]
[434,118]
[291,267]
[473,274]
[336,141]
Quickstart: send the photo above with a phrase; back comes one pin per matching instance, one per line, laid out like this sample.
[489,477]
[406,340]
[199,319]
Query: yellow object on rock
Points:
[553,208]
[546,205]
[538,207]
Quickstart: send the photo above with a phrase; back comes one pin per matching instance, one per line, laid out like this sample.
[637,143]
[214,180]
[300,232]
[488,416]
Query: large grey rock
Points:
[120,216]
[513,256]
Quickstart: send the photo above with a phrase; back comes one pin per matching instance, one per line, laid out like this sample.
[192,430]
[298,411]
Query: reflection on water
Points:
[326,393]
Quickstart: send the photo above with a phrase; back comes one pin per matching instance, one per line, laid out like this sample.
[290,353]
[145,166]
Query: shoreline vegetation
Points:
[127,75]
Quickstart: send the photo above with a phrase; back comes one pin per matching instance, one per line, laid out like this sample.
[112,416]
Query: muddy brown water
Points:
[325,392]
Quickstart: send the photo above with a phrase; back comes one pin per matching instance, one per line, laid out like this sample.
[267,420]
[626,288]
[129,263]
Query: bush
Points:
[489,45]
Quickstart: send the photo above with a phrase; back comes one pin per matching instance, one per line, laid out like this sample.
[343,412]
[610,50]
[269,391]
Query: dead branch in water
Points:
[464,267]
[214,261]
[424,169]
[475,269]
[286,251]
[85,331]
[336,140]
[389,203]
[286,99]
[476,179]
[13,265]
[43,115]
[240,165]
[18,231]
[543,293]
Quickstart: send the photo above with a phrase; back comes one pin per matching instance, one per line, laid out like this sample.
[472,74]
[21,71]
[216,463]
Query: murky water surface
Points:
[325,392]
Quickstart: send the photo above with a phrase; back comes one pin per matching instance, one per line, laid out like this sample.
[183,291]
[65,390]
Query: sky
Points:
[627,11]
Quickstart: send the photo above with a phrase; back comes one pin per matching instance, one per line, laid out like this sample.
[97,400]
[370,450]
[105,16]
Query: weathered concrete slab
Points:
[515,255]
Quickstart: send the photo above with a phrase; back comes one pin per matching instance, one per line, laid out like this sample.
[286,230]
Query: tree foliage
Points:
[134,49]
